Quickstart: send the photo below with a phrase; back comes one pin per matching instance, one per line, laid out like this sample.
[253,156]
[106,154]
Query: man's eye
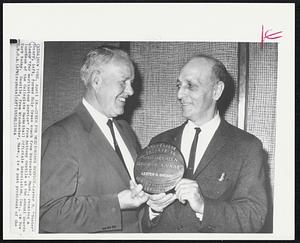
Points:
[189,85]
[178,85]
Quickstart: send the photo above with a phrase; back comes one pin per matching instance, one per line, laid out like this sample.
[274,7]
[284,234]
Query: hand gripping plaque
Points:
[159,167]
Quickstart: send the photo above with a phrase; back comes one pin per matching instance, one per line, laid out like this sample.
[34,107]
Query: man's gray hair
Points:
[220,73]
[98,57]
[218,69]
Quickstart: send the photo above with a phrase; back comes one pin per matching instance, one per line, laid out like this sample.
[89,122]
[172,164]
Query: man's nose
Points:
[180,93]
[129,90]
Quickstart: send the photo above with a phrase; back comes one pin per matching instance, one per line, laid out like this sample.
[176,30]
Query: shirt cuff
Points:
[200,214]
[152,215]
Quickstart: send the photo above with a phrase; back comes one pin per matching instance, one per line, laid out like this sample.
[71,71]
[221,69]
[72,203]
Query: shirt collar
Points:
[211,125]
[97,116]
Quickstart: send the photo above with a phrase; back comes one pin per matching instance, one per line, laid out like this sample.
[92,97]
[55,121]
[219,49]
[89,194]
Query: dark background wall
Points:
[62,87]
[154,107]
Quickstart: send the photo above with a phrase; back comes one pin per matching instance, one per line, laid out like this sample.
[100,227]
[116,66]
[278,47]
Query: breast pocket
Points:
[216,186]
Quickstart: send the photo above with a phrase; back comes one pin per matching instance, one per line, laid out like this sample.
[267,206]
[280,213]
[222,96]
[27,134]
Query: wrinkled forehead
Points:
[199,67]
[122,61]
[120,65]
[116,61]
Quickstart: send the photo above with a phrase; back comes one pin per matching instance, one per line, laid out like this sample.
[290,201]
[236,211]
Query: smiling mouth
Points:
[186,106]
[122,99]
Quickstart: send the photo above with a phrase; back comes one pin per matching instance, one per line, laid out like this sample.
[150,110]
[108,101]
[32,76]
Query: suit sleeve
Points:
[247,208]
[61,209]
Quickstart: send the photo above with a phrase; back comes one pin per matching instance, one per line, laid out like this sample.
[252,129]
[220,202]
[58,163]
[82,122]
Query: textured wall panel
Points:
[262,97]
[261,117]
[158,65]
[62,87]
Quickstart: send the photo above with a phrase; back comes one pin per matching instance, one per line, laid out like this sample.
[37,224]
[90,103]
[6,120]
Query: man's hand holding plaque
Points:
[188,190]
[133,197]
[160,168]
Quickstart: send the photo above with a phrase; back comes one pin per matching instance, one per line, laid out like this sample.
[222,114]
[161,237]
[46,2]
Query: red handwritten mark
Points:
[265,35]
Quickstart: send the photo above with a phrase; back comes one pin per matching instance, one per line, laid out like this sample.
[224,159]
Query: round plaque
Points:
[159,167]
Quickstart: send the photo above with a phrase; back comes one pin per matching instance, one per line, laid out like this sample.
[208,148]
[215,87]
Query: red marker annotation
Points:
[267,35]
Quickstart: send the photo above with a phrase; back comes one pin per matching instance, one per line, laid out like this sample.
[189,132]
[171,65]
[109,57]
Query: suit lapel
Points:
[216,143]
[177,135]
[104,149]
[101,144]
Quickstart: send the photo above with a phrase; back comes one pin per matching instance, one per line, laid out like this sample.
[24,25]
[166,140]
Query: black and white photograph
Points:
[126,122]
[158,92]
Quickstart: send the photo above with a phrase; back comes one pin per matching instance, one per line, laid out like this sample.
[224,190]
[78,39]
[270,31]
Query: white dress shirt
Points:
[101,121]
[207,131]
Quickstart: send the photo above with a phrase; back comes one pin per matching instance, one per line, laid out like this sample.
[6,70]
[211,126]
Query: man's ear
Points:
[218,90]
[95,79]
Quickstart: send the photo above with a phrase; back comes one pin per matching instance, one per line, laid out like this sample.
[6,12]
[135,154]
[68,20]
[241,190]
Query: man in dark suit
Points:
[88,157]
[223,189]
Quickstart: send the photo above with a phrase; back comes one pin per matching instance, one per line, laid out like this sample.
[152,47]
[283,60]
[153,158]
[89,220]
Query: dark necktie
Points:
[190,170]
[117,149]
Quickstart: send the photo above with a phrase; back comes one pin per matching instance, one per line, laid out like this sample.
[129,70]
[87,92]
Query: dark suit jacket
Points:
[81,175]
[236,203]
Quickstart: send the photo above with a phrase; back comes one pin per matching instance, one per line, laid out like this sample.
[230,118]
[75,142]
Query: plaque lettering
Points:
[159,167]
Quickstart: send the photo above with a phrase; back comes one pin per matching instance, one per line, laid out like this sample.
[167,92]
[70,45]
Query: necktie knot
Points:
[198,130]
[110,123]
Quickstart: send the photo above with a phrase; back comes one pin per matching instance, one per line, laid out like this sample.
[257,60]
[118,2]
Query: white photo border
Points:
[229,22]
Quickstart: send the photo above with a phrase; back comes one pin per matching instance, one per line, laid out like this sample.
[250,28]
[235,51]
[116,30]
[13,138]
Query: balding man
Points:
[223,189]
[88,157]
